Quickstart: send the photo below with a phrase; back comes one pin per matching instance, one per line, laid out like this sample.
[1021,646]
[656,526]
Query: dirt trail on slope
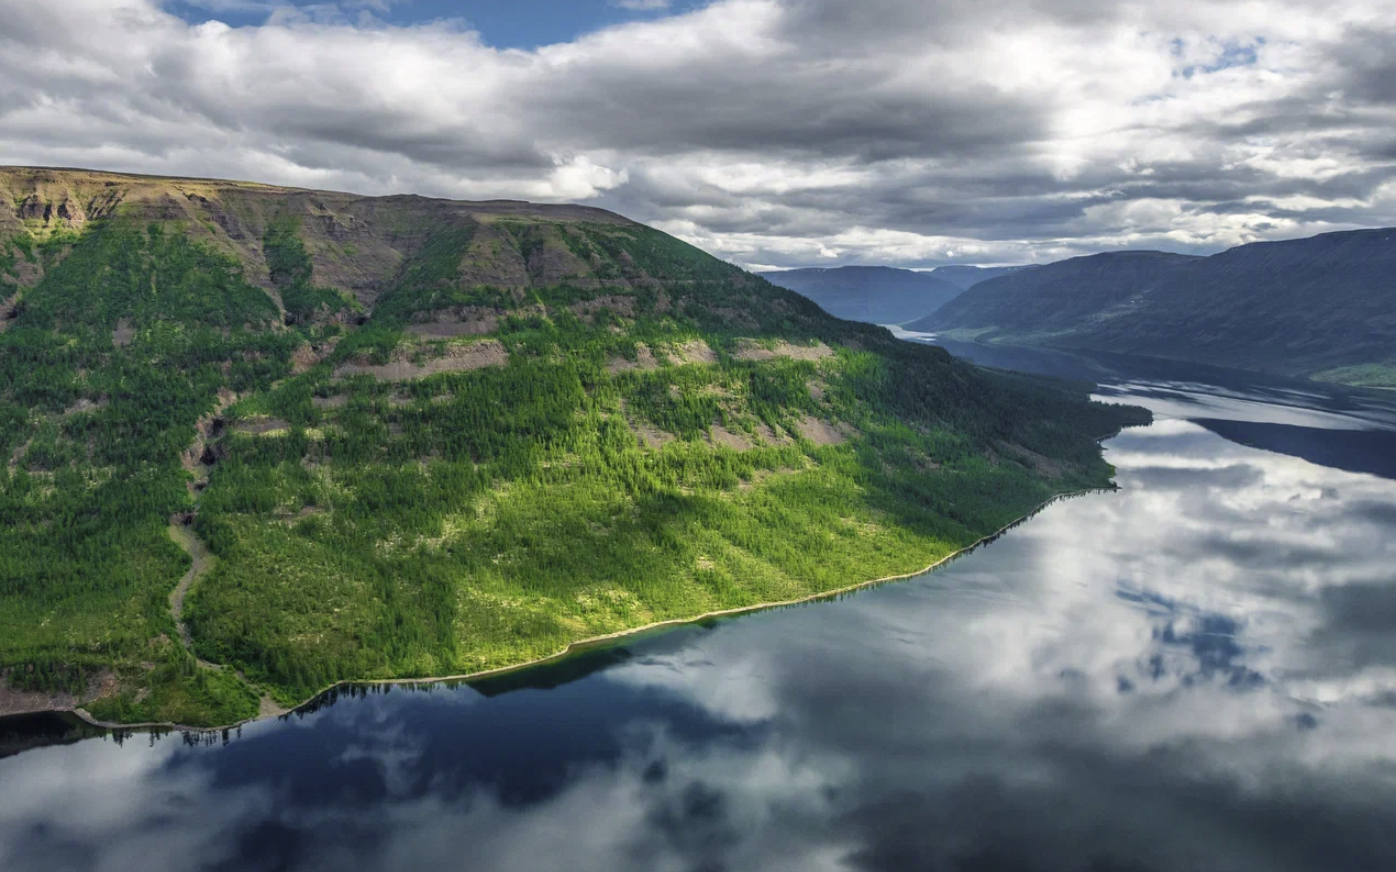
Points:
[181,531]
[202,562]
[181,528]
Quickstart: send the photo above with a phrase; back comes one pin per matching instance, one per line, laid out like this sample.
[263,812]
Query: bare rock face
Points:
[458,321]
[356,244]
[50,214]
[71,213]
[751,350]
[35,209]
[16,702]
[692,351]
[493,260]
[9,311]
[552,265]
[48,201]
[454,358]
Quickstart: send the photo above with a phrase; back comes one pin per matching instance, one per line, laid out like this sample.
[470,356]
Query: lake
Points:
[1195,672]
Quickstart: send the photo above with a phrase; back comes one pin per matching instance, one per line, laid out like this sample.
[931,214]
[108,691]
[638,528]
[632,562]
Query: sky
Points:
[772,133]
[521,24]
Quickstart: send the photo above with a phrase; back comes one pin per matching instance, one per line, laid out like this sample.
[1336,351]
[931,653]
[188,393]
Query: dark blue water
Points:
[1197,672]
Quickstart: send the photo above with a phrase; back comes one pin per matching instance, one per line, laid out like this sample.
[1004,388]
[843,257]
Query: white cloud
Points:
[769,131]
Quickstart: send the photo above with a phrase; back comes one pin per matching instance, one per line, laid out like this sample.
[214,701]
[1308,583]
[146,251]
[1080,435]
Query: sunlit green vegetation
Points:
[628,462]
[112,360]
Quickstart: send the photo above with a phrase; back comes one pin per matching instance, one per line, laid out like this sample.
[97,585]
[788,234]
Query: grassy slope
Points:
[651,449]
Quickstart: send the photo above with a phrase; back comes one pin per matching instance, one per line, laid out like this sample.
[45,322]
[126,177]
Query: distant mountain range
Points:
[1323,307]
[876,294]
[969,276]
[883,294]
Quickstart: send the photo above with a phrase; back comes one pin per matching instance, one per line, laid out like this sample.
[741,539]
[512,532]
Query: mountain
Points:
[257,440]
[1322,307]
[1057,297]
[966,277]
[875,294]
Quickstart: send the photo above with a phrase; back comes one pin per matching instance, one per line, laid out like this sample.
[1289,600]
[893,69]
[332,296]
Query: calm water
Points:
[1195,673]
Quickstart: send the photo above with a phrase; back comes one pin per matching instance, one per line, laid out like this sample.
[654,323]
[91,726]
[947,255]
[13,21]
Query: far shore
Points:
[572,647]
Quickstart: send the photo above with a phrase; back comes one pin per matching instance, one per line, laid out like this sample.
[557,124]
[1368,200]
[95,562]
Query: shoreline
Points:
[572,647]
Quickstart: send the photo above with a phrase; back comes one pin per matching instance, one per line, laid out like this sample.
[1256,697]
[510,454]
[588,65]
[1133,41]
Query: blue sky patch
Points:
[502,23]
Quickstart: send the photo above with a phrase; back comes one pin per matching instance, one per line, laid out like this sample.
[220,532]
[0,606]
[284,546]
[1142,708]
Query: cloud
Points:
[1112,686]
[768,131]
[641,5]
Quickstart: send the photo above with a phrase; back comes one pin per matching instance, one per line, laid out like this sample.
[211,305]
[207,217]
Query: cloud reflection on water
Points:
[1193,672]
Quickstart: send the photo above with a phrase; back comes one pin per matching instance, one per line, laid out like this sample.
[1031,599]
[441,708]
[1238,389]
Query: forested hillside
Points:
[875,294]
[256,440]
[1322,307]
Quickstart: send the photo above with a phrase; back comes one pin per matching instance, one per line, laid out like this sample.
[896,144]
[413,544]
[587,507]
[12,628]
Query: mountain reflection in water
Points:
[1195,672]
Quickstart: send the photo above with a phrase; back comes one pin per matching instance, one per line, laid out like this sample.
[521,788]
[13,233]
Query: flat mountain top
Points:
[355,243]
[59,185]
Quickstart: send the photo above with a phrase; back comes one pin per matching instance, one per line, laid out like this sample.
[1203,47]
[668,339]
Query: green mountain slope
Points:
[875,294]
[256,440]
[1324,306]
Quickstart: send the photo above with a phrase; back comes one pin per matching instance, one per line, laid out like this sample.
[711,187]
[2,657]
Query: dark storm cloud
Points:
[770,131]
[1369,67]
[784,102]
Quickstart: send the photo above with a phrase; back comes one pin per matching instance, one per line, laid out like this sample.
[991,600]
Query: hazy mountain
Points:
[1323,306]
[968,276]
[255,440]
[876,294]
[1050,299]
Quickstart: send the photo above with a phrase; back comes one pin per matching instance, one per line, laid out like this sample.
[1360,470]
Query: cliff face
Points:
[355,243]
